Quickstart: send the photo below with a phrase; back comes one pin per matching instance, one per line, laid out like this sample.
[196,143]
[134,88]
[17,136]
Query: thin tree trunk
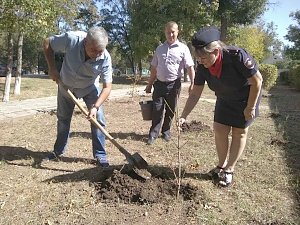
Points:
[17,90]
[224,27]
[8,68]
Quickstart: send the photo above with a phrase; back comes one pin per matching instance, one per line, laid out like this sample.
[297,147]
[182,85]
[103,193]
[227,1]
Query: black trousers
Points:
[165,96]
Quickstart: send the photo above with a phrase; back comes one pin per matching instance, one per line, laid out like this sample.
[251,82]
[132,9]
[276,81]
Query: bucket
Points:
[146,107]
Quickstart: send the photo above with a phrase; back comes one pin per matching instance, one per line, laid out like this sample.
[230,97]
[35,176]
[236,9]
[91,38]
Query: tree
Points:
[234,12]
[33,18]
[9,66]
[19,17]
[250,38]
[273,46]
[136,26]
[117,22]
[149,18]
[88,15]
[293,35]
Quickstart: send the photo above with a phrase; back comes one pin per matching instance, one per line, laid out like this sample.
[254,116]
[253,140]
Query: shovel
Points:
[135,160]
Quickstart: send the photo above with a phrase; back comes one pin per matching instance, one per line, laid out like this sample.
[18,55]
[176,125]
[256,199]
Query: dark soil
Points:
[127,188]
[195,126]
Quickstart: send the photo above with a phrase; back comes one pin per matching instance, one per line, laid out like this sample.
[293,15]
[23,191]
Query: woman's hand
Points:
[249,113]
[180,122]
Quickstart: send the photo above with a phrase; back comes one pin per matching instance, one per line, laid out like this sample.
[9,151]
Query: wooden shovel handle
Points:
[97,124]
[86,113]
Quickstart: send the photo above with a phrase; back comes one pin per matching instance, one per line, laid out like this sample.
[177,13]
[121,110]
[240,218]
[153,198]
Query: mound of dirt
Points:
[122,187]
[195,126]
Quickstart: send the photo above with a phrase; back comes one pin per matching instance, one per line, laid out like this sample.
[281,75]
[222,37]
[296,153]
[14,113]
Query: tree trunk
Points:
[17,90]
[224,27]
[8,67]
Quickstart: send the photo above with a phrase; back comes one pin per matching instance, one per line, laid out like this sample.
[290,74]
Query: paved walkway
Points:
[14,109]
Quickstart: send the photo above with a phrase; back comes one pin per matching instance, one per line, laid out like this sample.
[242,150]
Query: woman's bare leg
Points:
[238,143]
[222,143]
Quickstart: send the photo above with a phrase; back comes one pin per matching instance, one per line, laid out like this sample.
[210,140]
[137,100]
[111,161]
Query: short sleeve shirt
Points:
[171,60]
[80,75]
[237,66]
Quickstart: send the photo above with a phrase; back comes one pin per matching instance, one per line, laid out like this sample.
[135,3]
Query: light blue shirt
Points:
[80,76]
[170,60]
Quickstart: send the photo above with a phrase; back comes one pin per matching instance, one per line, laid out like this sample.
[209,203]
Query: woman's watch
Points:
[94,106]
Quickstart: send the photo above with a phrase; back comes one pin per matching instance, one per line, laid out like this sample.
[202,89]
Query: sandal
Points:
[215,172]
[226,178]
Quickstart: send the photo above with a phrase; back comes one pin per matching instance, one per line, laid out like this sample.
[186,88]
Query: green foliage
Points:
[293,35]
[241,11]
[88,15]
[294,78]
[269,74]
[271,41]
[137,27]
[285,76]
[117,23]
[27,16]
[250,38]
[282,64]
[238,12]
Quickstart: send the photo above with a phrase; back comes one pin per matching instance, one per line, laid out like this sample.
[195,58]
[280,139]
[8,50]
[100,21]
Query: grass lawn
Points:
[266,188]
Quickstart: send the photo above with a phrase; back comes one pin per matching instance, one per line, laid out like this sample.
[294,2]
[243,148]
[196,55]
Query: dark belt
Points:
[168,82]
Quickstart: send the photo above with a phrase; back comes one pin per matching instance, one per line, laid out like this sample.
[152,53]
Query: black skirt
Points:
[231,112]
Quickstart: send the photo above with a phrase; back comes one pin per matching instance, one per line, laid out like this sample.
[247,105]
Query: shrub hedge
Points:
[270,74]
[285,76]
[294,77]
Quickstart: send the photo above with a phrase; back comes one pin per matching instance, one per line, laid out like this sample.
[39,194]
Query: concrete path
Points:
[15,109]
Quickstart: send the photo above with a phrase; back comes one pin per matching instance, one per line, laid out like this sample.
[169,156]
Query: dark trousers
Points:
[165,96]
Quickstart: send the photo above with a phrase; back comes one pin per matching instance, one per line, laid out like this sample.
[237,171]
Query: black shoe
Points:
[166,137]
[151,140]
[215,172]
[52,156]
[102,162]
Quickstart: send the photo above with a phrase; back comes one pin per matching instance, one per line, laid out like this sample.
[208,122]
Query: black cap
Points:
[205,36]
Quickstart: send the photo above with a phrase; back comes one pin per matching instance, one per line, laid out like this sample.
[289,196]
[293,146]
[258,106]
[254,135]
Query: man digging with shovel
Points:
[85,60]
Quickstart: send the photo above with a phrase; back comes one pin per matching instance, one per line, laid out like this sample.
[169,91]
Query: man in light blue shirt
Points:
[86,60]
[167,67]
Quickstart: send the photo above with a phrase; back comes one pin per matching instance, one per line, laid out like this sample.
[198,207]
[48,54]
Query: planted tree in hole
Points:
[180,172]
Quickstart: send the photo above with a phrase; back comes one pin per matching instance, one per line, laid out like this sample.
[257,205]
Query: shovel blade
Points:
[138,161]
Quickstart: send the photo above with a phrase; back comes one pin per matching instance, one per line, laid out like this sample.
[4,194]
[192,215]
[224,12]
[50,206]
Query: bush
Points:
[269,74]
[285,76]
[295,77]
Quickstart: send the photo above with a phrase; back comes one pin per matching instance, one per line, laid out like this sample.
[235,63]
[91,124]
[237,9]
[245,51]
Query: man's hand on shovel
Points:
[92,113]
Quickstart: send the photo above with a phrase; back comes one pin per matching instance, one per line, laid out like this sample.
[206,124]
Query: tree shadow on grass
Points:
[98,174]
[131,136]
[11,155]
[119,135]
[85,135]
[285,110]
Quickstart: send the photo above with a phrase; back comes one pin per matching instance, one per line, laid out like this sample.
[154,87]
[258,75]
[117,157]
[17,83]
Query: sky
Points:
[279,14]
